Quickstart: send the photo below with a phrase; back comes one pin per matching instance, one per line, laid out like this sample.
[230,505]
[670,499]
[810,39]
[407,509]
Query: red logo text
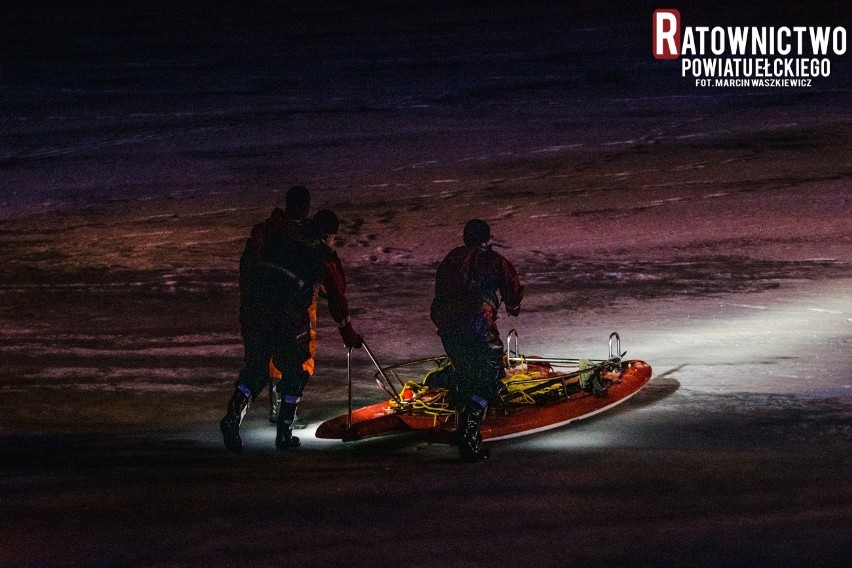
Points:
[666,34]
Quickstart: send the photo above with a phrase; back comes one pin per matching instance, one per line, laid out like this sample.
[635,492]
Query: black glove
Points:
[351,339]
[513,311]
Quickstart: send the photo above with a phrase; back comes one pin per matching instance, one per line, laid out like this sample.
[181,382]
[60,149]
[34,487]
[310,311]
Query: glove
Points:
[351,339]
[513,311]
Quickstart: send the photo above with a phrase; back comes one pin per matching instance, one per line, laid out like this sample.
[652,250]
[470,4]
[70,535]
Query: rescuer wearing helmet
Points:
[292,220]
[470,284]
[278,284]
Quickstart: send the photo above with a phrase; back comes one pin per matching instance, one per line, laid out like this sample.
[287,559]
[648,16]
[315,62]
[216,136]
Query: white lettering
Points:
[783,47]
[688,45]
[838,40]
[666,30]
[701,31]
[799,30]
[710,66]
[717,41]
[758,41]
[737,38]
[819,40]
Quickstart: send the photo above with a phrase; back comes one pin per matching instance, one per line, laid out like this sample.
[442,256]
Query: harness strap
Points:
[282,270]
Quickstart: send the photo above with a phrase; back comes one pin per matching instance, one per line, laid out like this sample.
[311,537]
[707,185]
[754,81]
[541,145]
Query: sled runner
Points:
[540,393]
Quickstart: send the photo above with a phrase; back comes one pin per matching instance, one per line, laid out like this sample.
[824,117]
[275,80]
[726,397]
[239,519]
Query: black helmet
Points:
[476,232]
[324,223]
[298,200]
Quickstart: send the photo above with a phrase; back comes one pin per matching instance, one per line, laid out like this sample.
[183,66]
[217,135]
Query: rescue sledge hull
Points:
[501,422]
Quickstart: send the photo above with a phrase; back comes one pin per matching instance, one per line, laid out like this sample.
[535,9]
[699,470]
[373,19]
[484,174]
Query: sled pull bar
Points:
[349,374]
[390,388]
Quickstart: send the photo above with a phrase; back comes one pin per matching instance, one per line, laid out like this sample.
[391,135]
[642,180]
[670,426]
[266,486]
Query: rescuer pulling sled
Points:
[539,393]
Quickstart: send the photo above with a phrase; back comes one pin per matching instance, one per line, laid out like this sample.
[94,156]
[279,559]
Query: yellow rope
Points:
[517,384]
[437,406]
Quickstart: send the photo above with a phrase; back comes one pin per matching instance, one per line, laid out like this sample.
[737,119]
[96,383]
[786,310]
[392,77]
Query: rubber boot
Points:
[468,436]
[274,402]
[284,438]
[230,424]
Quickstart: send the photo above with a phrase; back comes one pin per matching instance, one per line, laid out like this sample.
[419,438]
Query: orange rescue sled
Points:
[540,394]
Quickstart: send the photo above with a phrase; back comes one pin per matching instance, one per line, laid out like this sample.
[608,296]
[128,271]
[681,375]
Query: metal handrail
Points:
[555,361]
[513,334]
[618,353]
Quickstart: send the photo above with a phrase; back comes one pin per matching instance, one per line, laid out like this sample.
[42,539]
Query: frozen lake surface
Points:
[712,228]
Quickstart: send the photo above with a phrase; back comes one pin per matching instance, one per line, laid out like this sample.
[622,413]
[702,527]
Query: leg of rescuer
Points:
[293,380]
[250,383]
[296,362]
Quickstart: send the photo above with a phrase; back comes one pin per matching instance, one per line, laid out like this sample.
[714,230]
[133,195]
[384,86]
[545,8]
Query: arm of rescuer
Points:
[334,286]
[510,288]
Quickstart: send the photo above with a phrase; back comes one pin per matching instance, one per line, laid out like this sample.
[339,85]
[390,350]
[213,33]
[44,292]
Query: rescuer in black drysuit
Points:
[292,221]
[278,283]
[470,284]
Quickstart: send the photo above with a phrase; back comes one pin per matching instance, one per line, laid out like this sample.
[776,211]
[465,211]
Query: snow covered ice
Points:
[712,228]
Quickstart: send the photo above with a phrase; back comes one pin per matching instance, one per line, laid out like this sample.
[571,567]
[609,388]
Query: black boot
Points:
[468,436]
[230,424]
[284,438]
[274,402]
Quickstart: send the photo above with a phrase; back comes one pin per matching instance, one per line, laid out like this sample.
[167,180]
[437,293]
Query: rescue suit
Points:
[281,271]
[470,284]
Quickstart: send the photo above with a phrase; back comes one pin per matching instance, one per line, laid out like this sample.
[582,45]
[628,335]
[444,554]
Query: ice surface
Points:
[711,228]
